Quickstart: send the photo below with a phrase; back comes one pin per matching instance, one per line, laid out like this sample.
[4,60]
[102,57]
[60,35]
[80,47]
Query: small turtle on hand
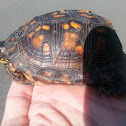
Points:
[72,47]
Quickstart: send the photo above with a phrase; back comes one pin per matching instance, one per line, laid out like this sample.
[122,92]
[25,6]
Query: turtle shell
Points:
[67,47]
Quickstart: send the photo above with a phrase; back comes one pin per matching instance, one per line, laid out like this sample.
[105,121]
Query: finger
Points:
[17,104]
[65,93]
[58,104]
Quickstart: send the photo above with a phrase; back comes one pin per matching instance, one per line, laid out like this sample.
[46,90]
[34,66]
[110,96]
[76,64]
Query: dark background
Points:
[14,13]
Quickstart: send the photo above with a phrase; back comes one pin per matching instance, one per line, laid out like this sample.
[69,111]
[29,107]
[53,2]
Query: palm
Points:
[62,106]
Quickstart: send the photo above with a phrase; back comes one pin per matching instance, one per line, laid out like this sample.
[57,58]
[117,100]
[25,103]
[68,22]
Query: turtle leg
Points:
[17,76]
[2,53]
[114,89]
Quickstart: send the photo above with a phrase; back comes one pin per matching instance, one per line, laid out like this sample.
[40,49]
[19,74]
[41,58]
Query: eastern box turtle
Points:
[66,47]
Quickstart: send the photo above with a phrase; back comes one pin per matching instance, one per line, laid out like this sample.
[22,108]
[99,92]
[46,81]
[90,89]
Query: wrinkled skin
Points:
[59,105]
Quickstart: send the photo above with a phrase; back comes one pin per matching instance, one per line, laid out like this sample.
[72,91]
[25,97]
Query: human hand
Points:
[62,105]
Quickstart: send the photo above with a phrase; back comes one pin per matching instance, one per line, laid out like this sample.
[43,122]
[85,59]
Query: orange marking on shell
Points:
[46,27]
[18,82]
[62,11]
[75,25]
[57,82]
[47,74]
[28,21]
[85,15]
[65,79]
[87,11]
[107,20]
[79,50]
[38,28]
[29,78]
[15,65]
[11,49]
[31,34]
[57,16]
[74,36]
[20,46]
[26,28]
[13,69]
[46,48]
[12,39]
[69,40]
[32,22]
[82,11]
[39,83]
[68,82]
[37,41]
[65,26]
[54,13]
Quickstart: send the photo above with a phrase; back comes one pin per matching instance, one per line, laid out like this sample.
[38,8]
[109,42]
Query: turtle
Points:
[69,47]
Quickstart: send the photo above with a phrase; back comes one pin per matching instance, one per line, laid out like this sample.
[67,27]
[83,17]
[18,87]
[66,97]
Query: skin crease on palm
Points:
[62,105]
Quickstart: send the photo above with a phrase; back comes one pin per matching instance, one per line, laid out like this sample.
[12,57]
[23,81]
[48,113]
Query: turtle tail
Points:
[3,58]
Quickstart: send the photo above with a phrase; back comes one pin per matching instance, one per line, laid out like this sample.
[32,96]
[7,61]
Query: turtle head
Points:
[3,58]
